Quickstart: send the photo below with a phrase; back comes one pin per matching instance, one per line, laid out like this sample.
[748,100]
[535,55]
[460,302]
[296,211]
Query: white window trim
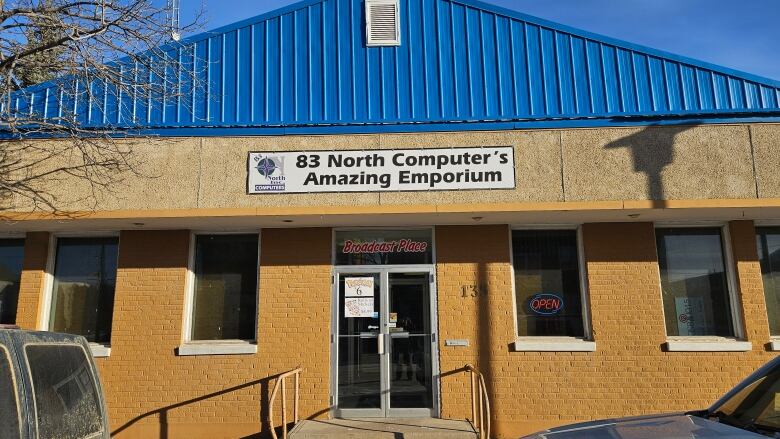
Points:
[698,343]
[543,343]
[100,350]
[553,344]
[13,235]
[774,345]
[44,315]
[706,344]
[217,347]
[214,347]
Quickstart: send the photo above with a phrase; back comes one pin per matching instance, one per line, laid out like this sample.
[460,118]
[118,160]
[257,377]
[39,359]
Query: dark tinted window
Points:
[11,255]
[66,400]
[84,282]
[225,299]
[694,284]
[547,283]
[769,253]
[9,403]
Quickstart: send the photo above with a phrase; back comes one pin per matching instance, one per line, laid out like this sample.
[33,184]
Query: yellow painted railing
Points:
[281,385]
[480,404]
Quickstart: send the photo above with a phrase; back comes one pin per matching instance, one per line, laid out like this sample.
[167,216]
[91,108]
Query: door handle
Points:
[380,343]
[404,334]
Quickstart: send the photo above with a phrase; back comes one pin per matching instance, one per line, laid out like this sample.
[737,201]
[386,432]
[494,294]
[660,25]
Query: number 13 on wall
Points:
[471,290]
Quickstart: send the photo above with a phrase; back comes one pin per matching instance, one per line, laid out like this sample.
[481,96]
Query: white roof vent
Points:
[382,23]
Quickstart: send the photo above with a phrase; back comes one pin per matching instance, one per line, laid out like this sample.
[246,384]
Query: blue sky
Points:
[741,34]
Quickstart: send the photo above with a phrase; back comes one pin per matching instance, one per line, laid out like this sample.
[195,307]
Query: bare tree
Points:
[98,59]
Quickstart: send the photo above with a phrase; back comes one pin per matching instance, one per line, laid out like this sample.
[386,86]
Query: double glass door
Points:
[385,346]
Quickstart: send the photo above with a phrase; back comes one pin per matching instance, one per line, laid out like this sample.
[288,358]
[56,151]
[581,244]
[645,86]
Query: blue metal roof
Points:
[306,66]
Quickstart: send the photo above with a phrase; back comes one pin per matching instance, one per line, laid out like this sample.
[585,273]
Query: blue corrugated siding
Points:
[459,61]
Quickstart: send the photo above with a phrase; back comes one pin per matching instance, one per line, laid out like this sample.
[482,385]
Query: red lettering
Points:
[402,245]
[547,304]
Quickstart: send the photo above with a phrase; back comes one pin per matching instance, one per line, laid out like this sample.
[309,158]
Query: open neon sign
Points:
[546,304]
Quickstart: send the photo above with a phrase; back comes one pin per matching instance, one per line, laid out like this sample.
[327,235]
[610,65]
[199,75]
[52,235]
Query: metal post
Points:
[473,399]
[297,391]
[284,409]
[481,411]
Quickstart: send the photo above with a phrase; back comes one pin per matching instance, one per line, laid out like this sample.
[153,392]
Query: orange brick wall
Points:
[152,392]
[749,282]
[629,373]
[36,252]
[473,256]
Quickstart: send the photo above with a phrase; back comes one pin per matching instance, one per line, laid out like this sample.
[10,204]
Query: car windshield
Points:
[756,407]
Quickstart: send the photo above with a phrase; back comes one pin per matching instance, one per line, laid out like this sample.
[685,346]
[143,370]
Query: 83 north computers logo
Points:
[271,170]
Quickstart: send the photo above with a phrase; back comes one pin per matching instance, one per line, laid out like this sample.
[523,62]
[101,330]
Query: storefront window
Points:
[225,296]
[84,282]
[547,283]
[11,254]
[693,279]
[769,254]
[384,247]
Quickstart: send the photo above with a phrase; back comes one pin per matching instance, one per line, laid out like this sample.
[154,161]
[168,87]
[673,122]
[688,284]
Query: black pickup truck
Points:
[49,387]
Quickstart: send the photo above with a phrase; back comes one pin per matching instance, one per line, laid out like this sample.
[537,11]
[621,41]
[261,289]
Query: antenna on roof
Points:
[172,10]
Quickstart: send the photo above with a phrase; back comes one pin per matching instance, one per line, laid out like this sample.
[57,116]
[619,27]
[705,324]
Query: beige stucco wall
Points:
[672,163]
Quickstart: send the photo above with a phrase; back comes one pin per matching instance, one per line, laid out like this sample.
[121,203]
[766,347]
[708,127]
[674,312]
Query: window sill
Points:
[100,350]
[694,345]
[775,345]
[540,344]
[231,347]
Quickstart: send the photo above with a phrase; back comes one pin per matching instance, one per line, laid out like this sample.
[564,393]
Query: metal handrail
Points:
[281,384]
[480,403]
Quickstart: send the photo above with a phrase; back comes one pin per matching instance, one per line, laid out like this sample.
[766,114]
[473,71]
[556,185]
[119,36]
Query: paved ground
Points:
[378,428]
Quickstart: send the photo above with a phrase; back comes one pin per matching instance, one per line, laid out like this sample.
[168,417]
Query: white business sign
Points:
[438,169]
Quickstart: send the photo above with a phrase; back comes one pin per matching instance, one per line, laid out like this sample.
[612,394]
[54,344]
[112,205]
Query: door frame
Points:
[385,411]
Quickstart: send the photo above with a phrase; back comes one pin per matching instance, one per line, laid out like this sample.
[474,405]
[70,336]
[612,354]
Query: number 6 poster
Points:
[358,297]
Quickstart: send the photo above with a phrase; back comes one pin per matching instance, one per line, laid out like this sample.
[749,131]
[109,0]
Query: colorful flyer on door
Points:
[359,287]
[358,307]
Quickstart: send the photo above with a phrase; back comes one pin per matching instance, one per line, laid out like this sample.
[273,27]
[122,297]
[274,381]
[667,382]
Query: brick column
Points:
[295,305]
[625,297]
[750,285]
[141,375]
[475,258]
[36,253]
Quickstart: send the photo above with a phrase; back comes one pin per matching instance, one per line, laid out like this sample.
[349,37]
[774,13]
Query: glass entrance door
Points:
[385,343]
[360,344]
[411,344]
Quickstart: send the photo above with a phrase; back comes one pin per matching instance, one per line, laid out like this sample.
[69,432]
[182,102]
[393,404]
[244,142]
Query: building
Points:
[594,225]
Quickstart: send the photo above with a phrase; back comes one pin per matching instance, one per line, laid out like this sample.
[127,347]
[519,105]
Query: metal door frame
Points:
[384,272]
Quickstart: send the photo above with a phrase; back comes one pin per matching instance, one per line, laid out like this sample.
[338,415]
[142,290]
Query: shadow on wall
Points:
[485,337]
[652,149]
[265,385]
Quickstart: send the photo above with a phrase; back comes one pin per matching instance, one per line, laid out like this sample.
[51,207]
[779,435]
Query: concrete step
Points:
[383,428]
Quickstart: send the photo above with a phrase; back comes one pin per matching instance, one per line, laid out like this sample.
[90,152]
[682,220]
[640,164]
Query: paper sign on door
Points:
[358,307]
[359,287]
